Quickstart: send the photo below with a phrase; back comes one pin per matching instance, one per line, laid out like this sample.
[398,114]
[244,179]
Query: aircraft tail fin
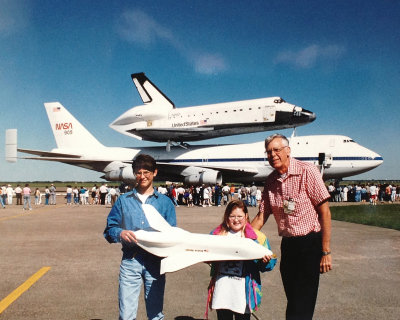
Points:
[149,92]
[68,131]
[156,221]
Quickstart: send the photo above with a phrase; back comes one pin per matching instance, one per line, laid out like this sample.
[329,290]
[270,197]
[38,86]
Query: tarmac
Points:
[55,264]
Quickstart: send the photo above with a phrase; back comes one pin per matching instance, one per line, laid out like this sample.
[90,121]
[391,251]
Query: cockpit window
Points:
[348,140]
[280,100]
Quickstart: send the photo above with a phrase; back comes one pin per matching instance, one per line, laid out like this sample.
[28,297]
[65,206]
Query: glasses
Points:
[145,173]
[275,150]
[238,218]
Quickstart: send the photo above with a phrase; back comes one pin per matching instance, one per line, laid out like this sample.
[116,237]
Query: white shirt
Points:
[372,190]
[230,290]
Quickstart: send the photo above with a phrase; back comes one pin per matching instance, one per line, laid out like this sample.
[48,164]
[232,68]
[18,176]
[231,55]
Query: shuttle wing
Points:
[181,130]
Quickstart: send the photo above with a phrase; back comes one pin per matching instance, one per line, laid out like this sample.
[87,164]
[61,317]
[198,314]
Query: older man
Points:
[297,197]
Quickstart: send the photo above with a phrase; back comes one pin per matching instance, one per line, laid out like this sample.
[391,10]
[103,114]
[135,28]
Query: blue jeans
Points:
[27,202]
[253,201]
[132,273]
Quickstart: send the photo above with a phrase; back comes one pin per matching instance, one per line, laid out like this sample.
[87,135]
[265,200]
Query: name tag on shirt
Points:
[289,206]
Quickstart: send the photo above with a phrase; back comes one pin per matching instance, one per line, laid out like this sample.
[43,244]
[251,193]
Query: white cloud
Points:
[209,63]
[308,57]
[138,27]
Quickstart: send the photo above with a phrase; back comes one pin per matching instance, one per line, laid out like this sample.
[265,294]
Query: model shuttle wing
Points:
[181,249]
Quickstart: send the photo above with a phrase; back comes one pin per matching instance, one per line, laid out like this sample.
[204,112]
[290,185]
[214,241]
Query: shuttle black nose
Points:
[311,116]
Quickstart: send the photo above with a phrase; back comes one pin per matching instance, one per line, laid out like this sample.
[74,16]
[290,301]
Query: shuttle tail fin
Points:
[68,131]
[156,221]
[149,92]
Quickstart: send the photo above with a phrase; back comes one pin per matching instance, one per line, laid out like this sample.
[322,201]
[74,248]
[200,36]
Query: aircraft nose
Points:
[302,116]
[378,159]
[309,114]
[121,121]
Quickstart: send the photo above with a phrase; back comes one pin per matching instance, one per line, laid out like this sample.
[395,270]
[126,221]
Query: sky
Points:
[339,59]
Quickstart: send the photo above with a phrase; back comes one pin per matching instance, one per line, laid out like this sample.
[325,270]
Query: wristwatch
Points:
[326,253]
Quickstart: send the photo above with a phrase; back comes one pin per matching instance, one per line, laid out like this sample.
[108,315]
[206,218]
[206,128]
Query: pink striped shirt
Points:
[303,183]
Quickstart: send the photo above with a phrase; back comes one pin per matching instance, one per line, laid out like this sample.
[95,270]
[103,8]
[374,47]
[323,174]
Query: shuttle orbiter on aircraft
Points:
[181,249]
[158,119]
[338,156]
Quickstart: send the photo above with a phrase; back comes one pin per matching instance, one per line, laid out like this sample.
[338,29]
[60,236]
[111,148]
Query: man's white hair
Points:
[276,136]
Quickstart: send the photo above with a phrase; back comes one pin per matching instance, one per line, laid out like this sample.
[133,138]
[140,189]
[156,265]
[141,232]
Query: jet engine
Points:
[118,171]
[206,177]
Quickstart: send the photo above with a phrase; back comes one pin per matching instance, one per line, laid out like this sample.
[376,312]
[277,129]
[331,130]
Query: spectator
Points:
[46,195]
[9,193]
[27,197]
[53,195]
[18,194]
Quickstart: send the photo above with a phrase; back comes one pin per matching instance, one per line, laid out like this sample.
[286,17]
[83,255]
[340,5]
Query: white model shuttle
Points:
[181,249]
[159,120]
[337,156]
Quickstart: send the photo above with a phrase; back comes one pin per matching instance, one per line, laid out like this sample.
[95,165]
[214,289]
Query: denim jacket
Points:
[127,214]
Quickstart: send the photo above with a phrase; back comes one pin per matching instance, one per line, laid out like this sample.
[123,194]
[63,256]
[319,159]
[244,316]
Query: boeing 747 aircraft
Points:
[159,120]
[337,156]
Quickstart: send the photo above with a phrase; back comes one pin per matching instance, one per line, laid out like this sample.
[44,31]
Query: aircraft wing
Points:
[183,130]
[173,134]
[178,168]
[48,153]
[72,159]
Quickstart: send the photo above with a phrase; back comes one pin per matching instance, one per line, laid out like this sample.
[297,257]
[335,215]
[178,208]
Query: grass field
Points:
[385,215]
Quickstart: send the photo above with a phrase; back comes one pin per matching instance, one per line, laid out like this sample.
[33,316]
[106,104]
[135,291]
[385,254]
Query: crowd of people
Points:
[102,195]
[369,192]
[210,195]
[190,196]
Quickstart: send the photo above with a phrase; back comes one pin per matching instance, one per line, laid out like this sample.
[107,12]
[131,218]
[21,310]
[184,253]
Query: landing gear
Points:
[170,143]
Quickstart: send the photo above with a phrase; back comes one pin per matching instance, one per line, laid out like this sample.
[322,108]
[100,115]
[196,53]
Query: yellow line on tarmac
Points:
[30,212]
[22,288]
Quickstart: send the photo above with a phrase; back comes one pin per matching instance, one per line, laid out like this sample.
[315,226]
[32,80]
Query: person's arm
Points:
[262,216]
[324,217]
[113,229]
[259,220]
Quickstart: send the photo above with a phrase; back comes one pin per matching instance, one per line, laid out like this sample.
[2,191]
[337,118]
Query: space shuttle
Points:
[180,248]
[159,120]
